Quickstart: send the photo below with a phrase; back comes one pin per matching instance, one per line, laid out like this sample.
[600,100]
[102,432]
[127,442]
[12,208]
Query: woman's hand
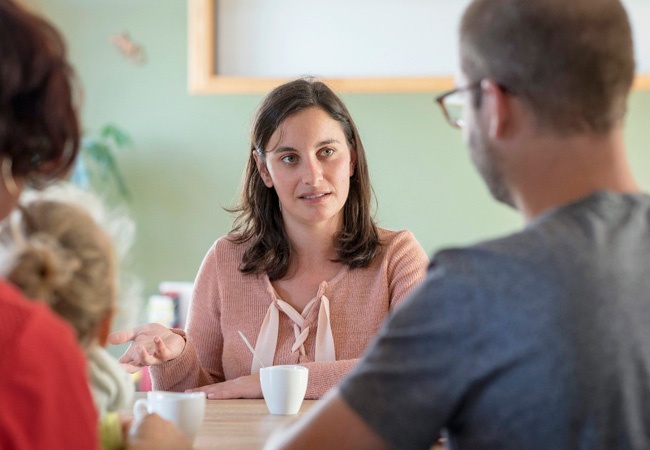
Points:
[151,344]
[247,386]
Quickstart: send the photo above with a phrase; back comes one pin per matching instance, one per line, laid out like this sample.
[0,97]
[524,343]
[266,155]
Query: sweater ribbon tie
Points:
[267,339]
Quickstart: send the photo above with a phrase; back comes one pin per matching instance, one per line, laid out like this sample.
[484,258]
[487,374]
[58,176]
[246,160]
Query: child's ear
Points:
[104,328]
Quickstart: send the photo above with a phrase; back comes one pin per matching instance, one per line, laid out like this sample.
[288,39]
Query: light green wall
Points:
[190,150]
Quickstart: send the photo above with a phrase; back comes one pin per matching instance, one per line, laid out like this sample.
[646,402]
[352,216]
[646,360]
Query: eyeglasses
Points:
[452,103]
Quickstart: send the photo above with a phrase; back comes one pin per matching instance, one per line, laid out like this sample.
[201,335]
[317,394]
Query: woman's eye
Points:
[288,158]
[328,151]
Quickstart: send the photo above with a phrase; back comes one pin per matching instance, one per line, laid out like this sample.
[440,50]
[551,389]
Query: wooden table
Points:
[240,424]
[237,424]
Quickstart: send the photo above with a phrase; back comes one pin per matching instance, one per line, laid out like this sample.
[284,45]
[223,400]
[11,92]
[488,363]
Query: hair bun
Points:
[42,267]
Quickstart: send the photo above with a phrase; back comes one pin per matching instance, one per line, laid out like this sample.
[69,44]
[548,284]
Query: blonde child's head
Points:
[57,253]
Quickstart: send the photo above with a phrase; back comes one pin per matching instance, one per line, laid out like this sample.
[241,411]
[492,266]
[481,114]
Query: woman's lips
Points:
[315,196]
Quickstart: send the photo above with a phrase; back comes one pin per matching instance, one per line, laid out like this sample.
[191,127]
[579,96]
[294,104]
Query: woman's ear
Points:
[353,161]
[262,170]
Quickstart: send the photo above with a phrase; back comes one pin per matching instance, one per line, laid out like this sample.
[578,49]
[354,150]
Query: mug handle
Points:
[140,409]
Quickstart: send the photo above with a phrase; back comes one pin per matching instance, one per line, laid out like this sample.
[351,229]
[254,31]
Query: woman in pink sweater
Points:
[305,273]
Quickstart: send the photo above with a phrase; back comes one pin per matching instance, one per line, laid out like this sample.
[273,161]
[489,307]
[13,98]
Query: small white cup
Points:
[284,388]
[184,409]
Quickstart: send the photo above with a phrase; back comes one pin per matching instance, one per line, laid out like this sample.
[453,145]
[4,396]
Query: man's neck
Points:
[554,170]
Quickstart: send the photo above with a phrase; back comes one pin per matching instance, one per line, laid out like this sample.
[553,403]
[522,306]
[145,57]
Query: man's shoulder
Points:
[561,229]
[571,239]
[488,253]
[604,209]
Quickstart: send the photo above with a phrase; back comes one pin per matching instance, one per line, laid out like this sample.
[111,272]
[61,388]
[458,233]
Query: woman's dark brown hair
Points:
[39,129]
[259,219]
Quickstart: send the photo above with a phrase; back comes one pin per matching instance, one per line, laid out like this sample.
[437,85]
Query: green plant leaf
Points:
[98,154]
[116,134]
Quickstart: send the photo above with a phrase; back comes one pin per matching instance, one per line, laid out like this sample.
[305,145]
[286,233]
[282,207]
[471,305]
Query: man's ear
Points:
[499,108]
[262,170]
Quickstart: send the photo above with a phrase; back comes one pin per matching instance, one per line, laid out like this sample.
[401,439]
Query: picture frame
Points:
[204,79]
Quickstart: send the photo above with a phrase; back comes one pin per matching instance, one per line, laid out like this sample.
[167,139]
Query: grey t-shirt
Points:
[540,340]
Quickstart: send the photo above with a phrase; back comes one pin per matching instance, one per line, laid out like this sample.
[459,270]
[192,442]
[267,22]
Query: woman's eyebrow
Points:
[287,148]
[282,149]
[328,142]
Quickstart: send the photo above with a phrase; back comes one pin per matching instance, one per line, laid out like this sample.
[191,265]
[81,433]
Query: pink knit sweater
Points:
[225,300]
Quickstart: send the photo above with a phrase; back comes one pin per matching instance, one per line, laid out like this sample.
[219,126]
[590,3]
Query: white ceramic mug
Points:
[184,409]
[284,388]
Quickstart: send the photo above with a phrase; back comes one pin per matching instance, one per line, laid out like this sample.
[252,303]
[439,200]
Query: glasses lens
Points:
[454,104]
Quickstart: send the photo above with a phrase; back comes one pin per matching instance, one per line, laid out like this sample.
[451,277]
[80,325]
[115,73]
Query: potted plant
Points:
[96,166]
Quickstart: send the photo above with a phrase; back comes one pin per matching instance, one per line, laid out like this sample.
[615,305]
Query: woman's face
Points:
[309,163]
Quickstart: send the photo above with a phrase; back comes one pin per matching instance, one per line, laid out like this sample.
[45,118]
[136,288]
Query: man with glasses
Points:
[541,339]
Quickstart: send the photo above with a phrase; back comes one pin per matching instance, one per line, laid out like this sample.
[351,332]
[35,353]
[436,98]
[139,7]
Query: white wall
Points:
[356,38]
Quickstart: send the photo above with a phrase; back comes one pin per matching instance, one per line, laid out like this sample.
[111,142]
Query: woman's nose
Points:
[313,173]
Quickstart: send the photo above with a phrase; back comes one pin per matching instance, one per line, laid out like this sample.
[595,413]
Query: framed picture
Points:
[246,46]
